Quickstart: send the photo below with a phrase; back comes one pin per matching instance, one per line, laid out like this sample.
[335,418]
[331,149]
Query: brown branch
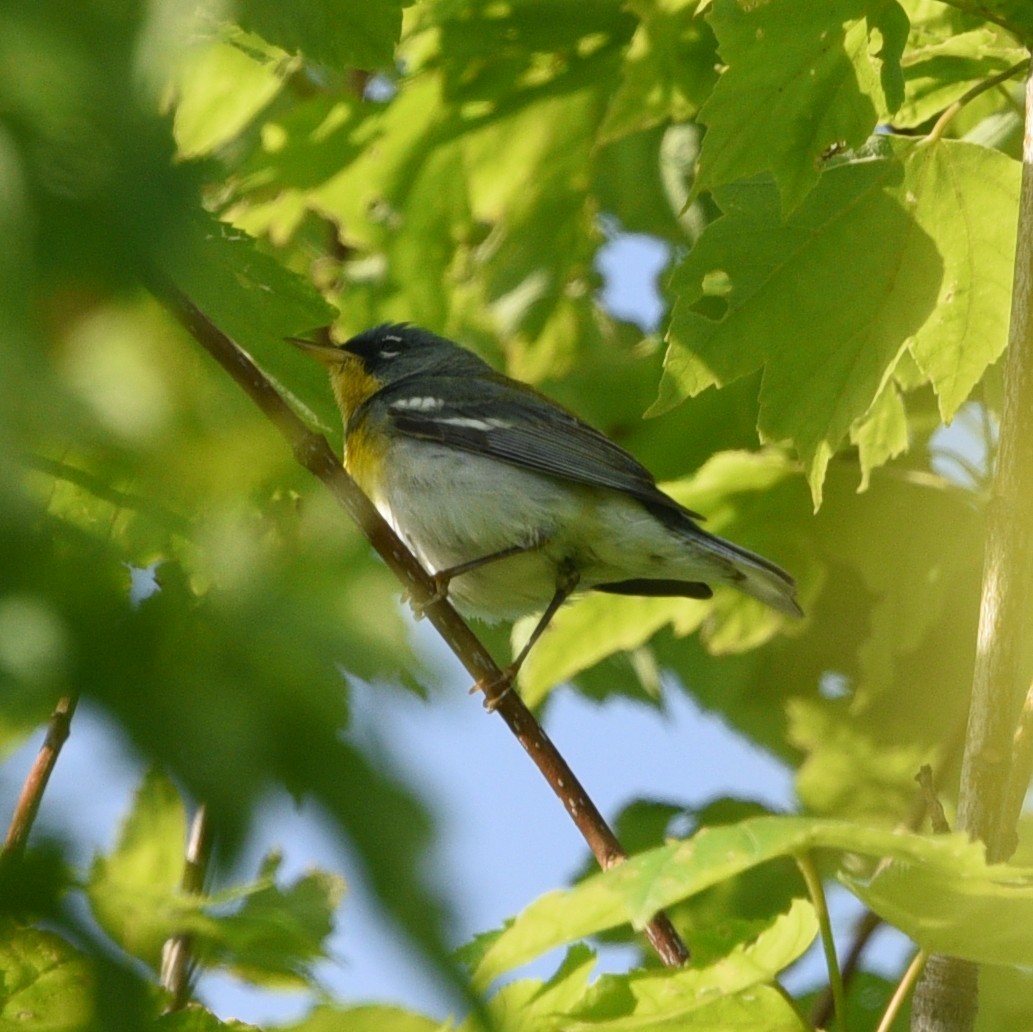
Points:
[27,807]
[313,452]
[945,999]
[176,962]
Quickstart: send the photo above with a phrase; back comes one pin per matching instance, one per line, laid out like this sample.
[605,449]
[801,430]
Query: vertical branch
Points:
[945,999]
[27,807]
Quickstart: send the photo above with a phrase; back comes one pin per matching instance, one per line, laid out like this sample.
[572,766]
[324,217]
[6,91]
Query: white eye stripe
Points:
[393,339]
[426,404]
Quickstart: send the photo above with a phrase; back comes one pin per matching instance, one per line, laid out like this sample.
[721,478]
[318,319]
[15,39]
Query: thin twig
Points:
[980,87]
[177,965]
[869,922]
[27,807]
[904,986]
[315,454]
[937,818]
[816,890]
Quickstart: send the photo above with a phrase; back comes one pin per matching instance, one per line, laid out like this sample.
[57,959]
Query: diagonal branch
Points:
[27,807]
[315,454]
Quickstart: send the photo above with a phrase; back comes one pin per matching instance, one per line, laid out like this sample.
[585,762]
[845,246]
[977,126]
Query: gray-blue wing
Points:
[505,420]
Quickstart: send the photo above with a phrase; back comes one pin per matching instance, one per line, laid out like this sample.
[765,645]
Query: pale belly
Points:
[451,507]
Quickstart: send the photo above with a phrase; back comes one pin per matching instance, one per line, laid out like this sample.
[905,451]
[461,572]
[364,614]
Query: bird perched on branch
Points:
[511,501]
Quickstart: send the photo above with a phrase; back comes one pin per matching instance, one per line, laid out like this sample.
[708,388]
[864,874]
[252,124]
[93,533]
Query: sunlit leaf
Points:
[802,76]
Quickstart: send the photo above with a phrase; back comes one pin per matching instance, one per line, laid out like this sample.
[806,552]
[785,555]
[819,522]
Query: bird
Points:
[511,501]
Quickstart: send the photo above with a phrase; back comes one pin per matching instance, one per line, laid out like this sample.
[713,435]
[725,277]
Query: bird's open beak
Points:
[322,348]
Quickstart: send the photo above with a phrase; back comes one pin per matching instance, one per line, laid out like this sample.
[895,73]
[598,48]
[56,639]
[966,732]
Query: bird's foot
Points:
[496,689]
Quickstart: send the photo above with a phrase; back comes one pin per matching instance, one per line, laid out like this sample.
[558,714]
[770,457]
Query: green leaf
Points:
[274,937]
[221,88]
[334,32]
[965,198]
[881,433]
[669,69]
[967,910]
[759,292]
[638,888]
[195,1018]
[649,999]
[368,1018]
[940,71]
[130,889]
[1015,15]
[802,76]
[44,982]
[529,1005]
[595,627]
[259,303]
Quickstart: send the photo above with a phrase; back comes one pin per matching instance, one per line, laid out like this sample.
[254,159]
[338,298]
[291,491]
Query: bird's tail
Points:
[754,575]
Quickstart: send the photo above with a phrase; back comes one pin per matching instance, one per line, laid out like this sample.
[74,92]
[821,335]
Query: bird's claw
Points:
[495,690]
[419,607]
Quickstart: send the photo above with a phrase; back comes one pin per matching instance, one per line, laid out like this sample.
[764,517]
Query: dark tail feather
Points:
[656,588]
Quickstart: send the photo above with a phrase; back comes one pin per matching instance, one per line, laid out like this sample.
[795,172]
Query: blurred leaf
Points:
[939,71]
[1014,14]
[1005,999]
[87,157]
[968,910]
[668,71]
[802,75]
[129,889]
[277,933]
[867,995]
[259,303]
[369,1018]
[195,1018]
[338,33]
[44,982]
[270,935]
[221,89]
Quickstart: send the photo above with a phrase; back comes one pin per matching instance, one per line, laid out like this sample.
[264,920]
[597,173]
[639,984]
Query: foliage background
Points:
[461,165]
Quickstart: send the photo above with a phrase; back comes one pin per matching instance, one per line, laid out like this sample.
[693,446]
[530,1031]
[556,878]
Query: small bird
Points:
[511,501]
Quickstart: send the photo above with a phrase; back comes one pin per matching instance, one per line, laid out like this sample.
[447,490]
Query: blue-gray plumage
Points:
[466,463]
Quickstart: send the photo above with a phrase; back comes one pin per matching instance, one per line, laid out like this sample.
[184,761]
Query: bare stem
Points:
[315,454]
[904,986]
[177,965]
[27,807]
[816,890]
[980,87]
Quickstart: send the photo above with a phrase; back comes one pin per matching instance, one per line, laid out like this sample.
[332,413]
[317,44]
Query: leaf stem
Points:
[28,804]
[948,115]
[904,986]
[816,890]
